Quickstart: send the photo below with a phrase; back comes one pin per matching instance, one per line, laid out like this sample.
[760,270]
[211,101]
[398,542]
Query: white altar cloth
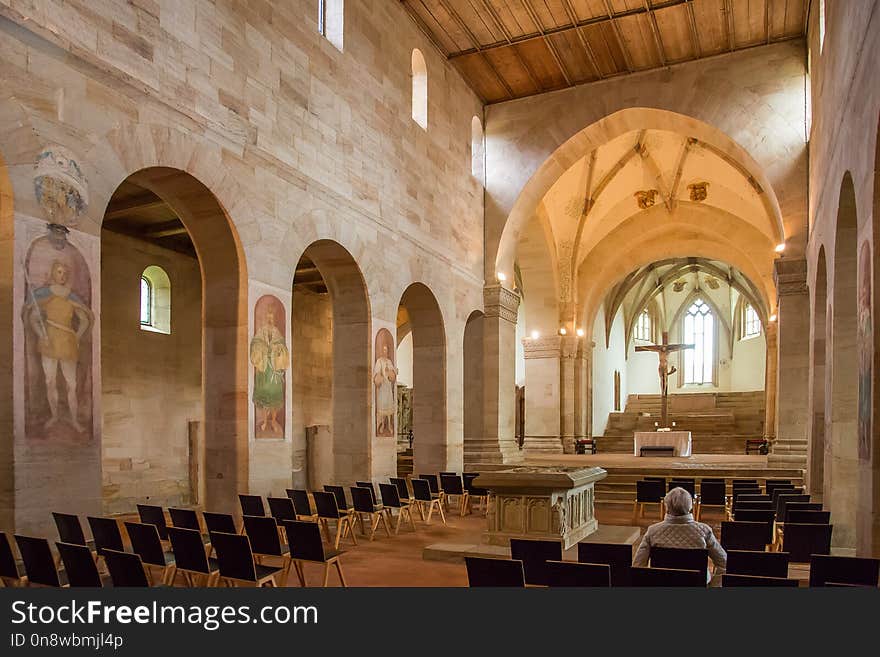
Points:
[679,440]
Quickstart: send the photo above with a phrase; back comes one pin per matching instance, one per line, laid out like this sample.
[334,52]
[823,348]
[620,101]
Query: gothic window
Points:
[751,324]
[643,326]
[699,330]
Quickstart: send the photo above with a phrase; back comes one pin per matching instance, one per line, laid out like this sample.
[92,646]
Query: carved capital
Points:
[499,301]
[570,346]
[790,276]
[543,347]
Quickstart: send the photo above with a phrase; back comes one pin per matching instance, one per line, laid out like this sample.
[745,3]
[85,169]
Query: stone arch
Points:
[430,443]
[472,383]
[350,456]
[816,444]
[869,518]
[844,369]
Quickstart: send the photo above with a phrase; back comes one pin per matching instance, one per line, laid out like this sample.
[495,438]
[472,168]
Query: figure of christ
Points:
[384,379]
[664,370]
[59,318]
[270,358]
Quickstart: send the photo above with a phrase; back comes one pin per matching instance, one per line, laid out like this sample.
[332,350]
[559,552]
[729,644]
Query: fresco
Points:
[866,352]
[270,357]
[385,383]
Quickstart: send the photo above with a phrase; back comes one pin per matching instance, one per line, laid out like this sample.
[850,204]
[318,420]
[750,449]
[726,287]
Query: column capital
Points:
[499,301]
[790,276]
[544,347]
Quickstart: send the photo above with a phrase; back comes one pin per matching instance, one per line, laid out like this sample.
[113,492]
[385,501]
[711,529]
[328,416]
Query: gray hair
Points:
[678,502]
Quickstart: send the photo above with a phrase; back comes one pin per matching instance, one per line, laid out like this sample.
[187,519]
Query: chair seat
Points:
[266,571]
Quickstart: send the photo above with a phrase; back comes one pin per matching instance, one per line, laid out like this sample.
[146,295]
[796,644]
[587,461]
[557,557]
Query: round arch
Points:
[472,384]
[816,444]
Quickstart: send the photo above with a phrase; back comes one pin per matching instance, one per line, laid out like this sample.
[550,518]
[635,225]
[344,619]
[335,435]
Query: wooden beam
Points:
[170,231]
[692,22]
[729,25]
[623,49]
[588,49]
[658,42]
[127,206]
[507,37]
[531,12]
[767,4]
[413,14]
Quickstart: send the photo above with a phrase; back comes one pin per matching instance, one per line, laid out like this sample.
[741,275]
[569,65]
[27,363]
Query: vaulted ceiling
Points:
[509,49]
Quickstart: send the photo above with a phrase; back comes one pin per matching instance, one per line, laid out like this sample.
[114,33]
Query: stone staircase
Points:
[719,422]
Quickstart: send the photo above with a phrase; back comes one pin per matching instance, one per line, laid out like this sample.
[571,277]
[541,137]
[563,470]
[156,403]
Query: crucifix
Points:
[665,370]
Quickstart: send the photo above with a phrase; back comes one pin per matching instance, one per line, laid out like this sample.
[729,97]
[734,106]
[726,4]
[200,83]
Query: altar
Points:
[680,441]
[541,502]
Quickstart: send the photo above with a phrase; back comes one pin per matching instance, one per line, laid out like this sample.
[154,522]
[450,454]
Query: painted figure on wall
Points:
[384,382]
[57,319]
[866,352]
[271,358]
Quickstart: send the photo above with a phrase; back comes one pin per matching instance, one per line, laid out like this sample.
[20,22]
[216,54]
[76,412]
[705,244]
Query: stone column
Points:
[569,355]
[498,444]
[583,419]
[792,362]
[543,395]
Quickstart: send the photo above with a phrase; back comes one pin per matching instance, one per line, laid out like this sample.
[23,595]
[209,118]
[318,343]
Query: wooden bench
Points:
[657,450]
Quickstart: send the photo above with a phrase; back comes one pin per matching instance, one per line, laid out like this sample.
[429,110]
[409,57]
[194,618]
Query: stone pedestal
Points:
[541,503]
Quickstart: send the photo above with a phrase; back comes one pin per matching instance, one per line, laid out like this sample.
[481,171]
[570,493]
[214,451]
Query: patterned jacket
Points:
[681,532]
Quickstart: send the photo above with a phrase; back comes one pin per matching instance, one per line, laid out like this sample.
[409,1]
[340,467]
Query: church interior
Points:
[439,292]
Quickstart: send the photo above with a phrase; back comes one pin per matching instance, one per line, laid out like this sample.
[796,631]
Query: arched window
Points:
[331,21]
[477,150]
[155,300]
[643,326]
[751,323]
[419,89]
[699,330]
[821,25]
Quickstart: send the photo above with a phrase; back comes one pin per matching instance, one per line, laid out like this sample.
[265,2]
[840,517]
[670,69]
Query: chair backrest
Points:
[281,508]
[39,565]
[494,572]
[680,558]
[650,490]
[712,493]
[807,517]
[800,506]
[618,556]
[219,522]
[69,528]
[451,483]
[300,499]
[421,490]
[570,573]
[750,483]
[784,491]
[534,556]
[825,569]
[234,556]
[738,492]
[776,484]
[79,564]
[730,580]
[325,503]
[653,478]
[185,519]
[751,515]
[305,540]
[7,558]
[361,500]
[402,490]
[369,486]
[145,543]
[106,533]
[784,499]
[189,550]
[755,562]
[803,541]
[251,505]
[688,484]
[154,515]
[754,506]
[263,532]
[746,535]
[752,497]
[432,480]
[126,569]
[339,494]
[667,577]
[389,495]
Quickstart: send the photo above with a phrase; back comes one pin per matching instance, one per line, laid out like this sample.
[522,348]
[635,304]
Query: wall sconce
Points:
[772,317]
[535,335]
[580,332]
[780,247]
[501,276]
[562,331]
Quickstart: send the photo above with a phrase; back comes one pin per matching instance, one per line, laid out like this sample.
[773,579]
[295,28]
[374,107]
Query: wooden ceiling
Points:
[509,49]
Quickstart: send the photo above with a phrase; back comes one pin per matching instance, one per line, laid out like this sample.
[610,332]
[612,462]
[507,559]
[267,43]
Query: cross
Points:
[663,350]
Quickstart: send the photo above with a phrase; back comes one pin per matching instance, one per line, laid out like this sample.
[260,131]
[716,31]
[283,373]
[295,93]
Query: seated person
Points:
[679,530]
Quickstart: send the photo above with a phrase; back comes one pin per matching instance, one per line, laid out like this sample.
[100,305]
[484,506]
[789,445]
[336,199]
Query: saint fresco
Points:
[270,357]
[866,352]
[385,384]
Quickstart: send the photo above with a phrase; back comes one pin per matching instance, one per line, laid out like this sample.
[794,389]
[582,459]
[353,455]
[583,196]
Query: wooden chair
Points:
[281,508]
[11,575]
[807,517]
[681,559]
[746,535]
[534,555]
[306,547]
[494,572]
[481,495]
[126,569]
[648,491]
[106,533]
[713,494]
[434,482]
[860,571]
[301,504]
[264,533]
[79,565]
[667,577]
[145,542]
[236,563]
[803,541]
[251,505]
[784,491]
[191,557]
[453,487]
[328,510]
[617,556]
[570,573]
[689,484]
[772,484]
[731,580]
[755,515]
[402,488]
[219,523]
[783,500]
[70,530]
[422,497]
[154,515]
[757,563]
[39,564]
[391,500]
[185,519]
[369,486]
[365,507]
